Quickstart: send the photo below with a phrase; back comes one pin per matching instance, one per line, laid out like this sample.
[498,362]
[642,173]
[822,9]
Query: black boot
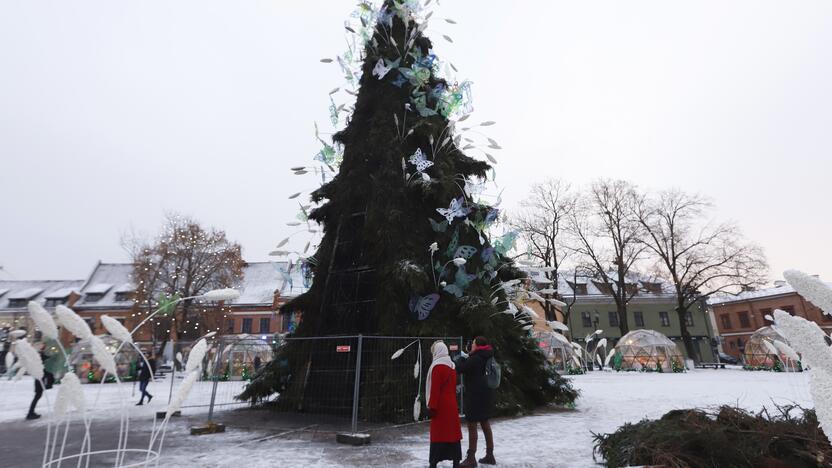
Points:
[488,459]
[470,461]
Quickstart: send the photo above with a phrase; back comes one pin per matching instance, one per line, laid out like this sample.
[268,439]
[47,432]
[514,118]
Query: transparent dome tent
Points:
[648,350]
[760,350]
[87,368]
[557,349]
[238,357]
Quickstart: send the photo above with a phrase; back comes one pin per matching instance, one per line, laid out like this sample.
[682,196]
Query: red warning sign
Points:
[453,347]
[342,349]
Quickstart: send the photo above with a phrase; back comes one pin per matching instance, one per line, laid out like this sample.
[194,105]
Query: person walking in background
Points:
[479,397]
[445,432]
[46,383]
[145,374]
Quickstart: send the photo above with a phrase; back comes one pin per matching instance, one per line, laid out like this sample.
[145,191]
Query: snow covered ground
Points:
[546,439]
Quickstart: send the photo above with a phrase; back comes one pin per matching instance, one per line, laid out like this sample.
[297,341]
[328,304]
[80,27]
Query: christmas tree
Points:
[406,249]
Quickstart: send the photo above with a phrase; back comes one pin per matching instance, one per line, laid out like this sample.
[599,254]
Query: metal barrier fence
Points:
[347,379]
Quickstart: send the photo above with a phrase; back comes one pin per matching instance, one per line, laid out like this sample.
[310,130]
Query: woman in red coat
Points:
[445,432]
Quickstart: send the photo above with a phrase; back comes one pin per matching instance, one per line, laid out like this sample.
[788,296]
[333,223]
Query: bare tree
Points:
[699,258]
[608,240]
[542,222]
[185,260]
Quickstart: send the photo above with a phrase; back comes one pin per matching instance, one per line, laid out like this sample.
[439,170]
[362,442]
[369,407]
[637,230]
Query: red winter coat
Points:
[444,425]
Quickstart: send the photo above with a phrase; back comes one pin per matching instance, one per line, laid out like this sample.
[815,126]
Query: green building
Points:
[652,307]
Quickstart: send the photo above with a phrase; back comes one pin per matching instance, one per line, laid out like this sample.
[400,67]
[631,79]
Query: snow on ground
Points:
[546,439]
[16,395]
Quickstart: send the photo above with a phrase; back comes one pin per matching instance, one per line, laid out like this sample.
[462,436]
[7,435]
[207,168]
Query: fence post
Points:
[216,380]
[356,385]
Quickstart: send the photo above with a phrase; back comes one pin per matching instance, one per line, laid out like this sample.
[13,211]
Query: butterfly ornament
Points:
[419,160]
[421,306]
[455,210]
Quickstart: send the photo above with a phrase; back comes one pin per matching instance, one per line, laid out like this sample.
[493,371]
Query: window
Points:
[229,326]
[55,301]
[665,318]
[90,322]
[265,325]
[733,345]
[17,303]
[246,325]
[585,320]
[689,319]
[613,318]
[764,312]
[744,322]
[123,296]
[726,321]
[603,287]
[93,297]
[740,344]
[652,288]
[639,317]
[580,289]
[789,309]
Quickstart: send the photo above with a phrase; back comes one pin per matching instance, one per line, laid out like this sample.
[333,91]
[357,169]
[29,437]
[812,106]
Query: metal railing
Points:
[343,380]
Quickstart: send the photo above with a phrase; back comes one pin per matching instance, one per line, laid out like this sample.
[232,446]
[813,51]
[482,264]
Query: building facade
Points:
[738,317]
[653,307]
[108,290]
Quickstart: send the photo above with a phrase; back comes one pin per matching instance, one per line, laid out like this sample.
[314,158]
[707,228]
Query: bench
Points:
[711,365]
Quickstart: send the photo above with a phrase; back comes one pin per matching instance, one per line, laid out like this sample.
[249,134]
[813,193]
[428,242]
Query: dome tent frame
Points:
[648,350]
[758,356]
[558,350]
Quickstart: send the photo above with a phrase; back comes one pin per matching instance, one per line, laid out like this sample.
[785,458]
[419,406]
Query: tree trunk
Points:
[622,319]
[682,311]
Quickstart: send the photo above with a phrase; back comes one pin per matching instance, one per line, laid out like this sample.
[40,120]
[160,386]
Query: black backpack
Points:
[493,373]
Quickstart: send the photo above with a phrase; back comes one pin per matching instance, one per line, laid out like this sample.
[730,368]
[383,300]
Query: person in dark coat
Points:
[445,432]
[145,374]
[478,400]
[48,379]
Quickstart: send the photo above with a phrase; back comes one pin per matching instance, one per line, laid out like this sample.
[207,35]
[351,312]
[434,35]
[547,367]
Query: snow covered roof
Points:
[62,293]
[98,288]
[3,291]
[593,286]
[98,291]
[27,293]
[779,289]
[35,290]
[262,279]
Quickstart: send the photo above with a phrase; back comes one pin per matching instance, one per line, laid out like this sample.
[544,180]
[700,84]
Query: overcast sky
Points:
[112,113]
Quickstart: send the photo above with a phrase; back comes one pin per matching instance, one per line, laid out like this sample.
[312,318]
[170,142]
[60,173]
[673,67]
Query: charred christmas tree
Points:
[406,249]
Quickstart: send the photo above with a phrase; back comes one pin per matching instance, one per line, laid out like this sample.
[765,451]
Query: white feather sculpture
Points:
[813,289]
[417,408]
[558,325]
[601,343]
[69,393]
[182,393]
[72,322]
[217,295]
[43,320]
[29,358]
[397,354]
[115,328]
[810,341]
[196,355]
[786,350]
[609,357]
[104,358]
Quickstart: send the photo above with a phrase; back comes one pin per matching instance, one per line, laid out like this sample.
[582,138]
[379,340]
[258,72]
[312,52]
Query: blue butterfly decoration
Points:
[421,306]
[455,210]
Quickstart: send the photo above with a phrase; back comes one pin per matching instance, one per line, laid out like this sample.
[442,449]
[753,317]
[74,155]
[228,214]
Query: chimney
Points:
[779,283]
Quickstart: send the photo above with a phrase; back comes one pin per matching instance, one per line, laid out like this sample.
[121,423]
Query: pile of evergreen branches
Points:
[728,437]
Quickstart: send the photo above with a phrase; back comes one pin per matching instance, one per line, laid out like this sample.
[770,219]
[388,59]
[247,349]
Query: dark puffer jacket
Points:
[478,397]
